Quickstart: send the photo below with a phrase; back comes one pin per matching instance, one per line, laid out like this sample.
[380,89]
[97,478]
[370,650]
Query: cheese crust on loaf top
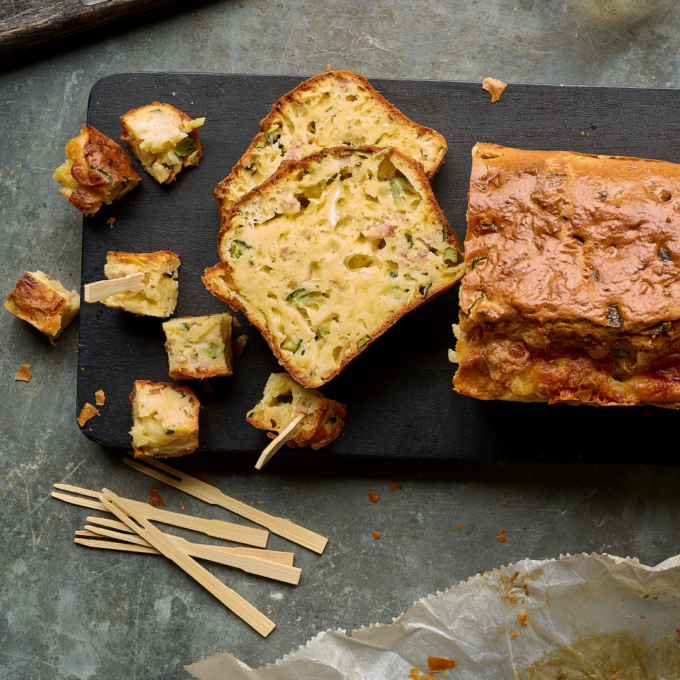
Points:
[572,291]
[331,251]
[337,108]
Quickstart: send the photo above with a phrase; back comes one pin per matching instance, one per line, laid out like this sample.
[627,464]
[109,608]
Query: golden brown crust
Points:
[159,257]
[182,389]
[127,138]
[265,123]
[572,292]
[37,303]
[93,154]
[224,269]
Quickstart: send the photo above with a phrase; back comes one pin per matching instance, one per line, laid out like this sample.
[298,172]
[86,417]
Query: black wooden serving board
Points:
[399,397]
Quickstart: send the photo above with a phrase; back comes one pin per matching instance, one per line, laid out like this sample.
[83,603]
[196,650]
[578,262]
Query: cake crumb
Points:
[87,412]
[110,221]
[494,87]
[522,618]
[439,663]
[155,498]
[459,526]
[24,373]
[515,634]
[373,496]
[501,536]
[99,397]
[395,487]
[239,345]
[376,535]
[237,323]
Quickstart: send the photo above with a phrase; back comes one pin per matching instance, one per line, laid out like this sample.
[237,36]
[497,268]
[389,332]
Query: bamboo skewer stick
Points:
[277,556]
[141,526]
[247,563]
[115,545]
[100,290]
[212,527]
[214,496]
[286,435]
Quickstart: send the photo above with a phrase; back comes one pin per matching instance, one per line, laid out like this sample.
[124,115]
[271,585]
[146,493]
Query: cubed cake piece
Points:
[164,419]
[96,171]
[199,346]
[164,139]
[44,303]
[159,295]
[284,400]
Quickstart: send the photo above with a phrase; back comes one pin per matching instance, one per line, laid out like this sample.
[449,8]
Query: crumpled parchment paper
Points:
[587,616]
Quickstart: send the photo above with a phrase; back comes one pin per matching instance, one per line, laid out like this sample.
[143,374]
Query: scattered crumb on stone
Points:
[439,663]
[522,618]
[110,221]
[373,496]
[206,385]
[239,344]
[459,526]
[88,412]
[515,634]
[395,487]
[501,536]
[376,535]
[99,397]
[24,373]
[494,87]
[155,498]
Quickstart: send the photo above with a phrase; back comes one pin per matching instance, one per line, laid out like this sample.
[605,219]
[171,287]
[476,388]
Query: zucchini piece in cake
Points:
[337,108]
[164,139]
[199,346]
[44,303]
[96,171]
[284,400]
[330,252]
[159,295]
[164,419]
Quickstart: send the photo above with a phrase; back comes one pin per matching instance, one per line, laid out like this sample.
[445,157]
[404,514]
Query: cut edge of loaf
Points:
[213,282]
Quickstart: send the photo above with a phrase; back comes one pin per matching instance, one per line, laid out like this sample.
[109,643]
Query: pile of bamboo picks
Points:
[132,531]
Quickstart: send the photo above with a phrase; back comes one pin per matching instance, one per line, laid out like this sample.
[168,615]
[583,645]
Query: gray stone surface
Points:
[69,612]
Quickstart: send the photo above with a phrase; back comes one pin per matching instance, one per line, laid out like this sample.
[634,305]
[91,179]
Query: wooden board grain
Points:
[398,393]
[26,23]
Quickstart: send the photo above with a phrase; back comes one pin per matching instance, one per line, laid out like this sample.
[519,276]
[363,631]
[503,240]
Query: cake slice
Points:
[330,252]
[164,419]
[164,139]
[338,108]
[96,171]
[199,346]
[284,400]
[159,295]
[44,303]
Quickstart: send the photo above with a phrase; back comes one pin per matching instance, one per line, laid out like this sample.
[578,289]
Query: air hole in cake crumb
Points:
[285,398]
[359,261]
[351,98]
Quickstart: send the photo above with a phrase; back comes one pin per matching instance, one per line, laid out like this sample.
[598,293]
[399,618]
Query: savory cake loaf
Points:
[96,171]
[330,252]
[159,295]
[44,303]
[572,291]
[164,419]
[337,108]
[199,346]
[164,139]
[284,400]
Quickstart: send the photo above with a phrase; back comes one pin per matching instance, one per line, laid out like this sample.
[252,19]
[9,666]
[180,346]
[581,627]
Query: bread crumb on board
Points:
[439,663]
[494,87]
[239,345]
[155,498]
[376,535]
[373,496]
[24,373]
[501,536]
[395,487]
[99,397]
[88,411]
